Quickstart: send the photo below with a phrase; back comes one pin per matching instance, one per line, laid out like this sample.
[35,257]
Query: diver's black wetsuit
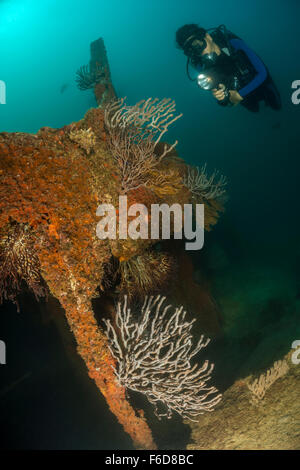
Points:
[266,92]
[255,83]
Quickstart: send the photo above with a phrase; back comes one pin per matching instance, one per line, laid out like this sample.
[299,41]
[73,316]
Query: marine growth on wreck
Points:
[164,345]
[51,184]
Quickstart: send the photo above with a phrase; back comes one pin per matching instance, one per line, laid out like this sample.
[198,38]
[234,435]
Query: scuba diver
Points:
[225,65]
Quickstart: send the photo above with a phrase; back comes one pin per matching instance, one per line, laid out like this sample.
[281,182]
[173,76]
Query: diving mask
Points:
[194,46]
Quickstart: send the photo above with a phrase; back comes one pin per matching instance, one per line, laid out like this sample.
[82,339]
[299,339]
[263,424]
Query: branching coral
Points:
[134,132]
[97,74]
[259,386]
[154,357]
[19,262]
[200,184]
[88,76]
[207,190]
[146,274]
[85,138]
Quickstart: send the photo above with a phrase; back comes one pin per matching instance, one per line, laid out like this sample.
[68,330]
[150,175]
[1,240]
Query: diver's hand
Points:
[235,97]
[219,93]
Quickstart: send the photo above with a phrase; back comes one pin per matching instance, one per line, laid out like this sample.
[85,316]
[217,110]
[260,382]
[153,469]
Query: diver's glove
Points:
[226,101]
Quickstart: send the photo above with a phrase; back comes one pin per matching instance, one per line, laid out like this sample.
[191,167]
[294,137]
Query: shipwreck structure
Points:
[51,184]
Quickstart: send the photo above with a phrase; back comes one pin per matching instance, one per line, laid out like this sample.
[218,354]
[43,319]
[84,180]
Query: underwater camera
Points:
[212,79]
[208,80]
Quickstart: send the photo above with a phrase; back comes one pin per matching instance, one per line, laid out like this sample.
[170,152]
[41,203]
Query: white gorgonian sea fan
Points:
[153,356]
[133,135]
[200,184]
